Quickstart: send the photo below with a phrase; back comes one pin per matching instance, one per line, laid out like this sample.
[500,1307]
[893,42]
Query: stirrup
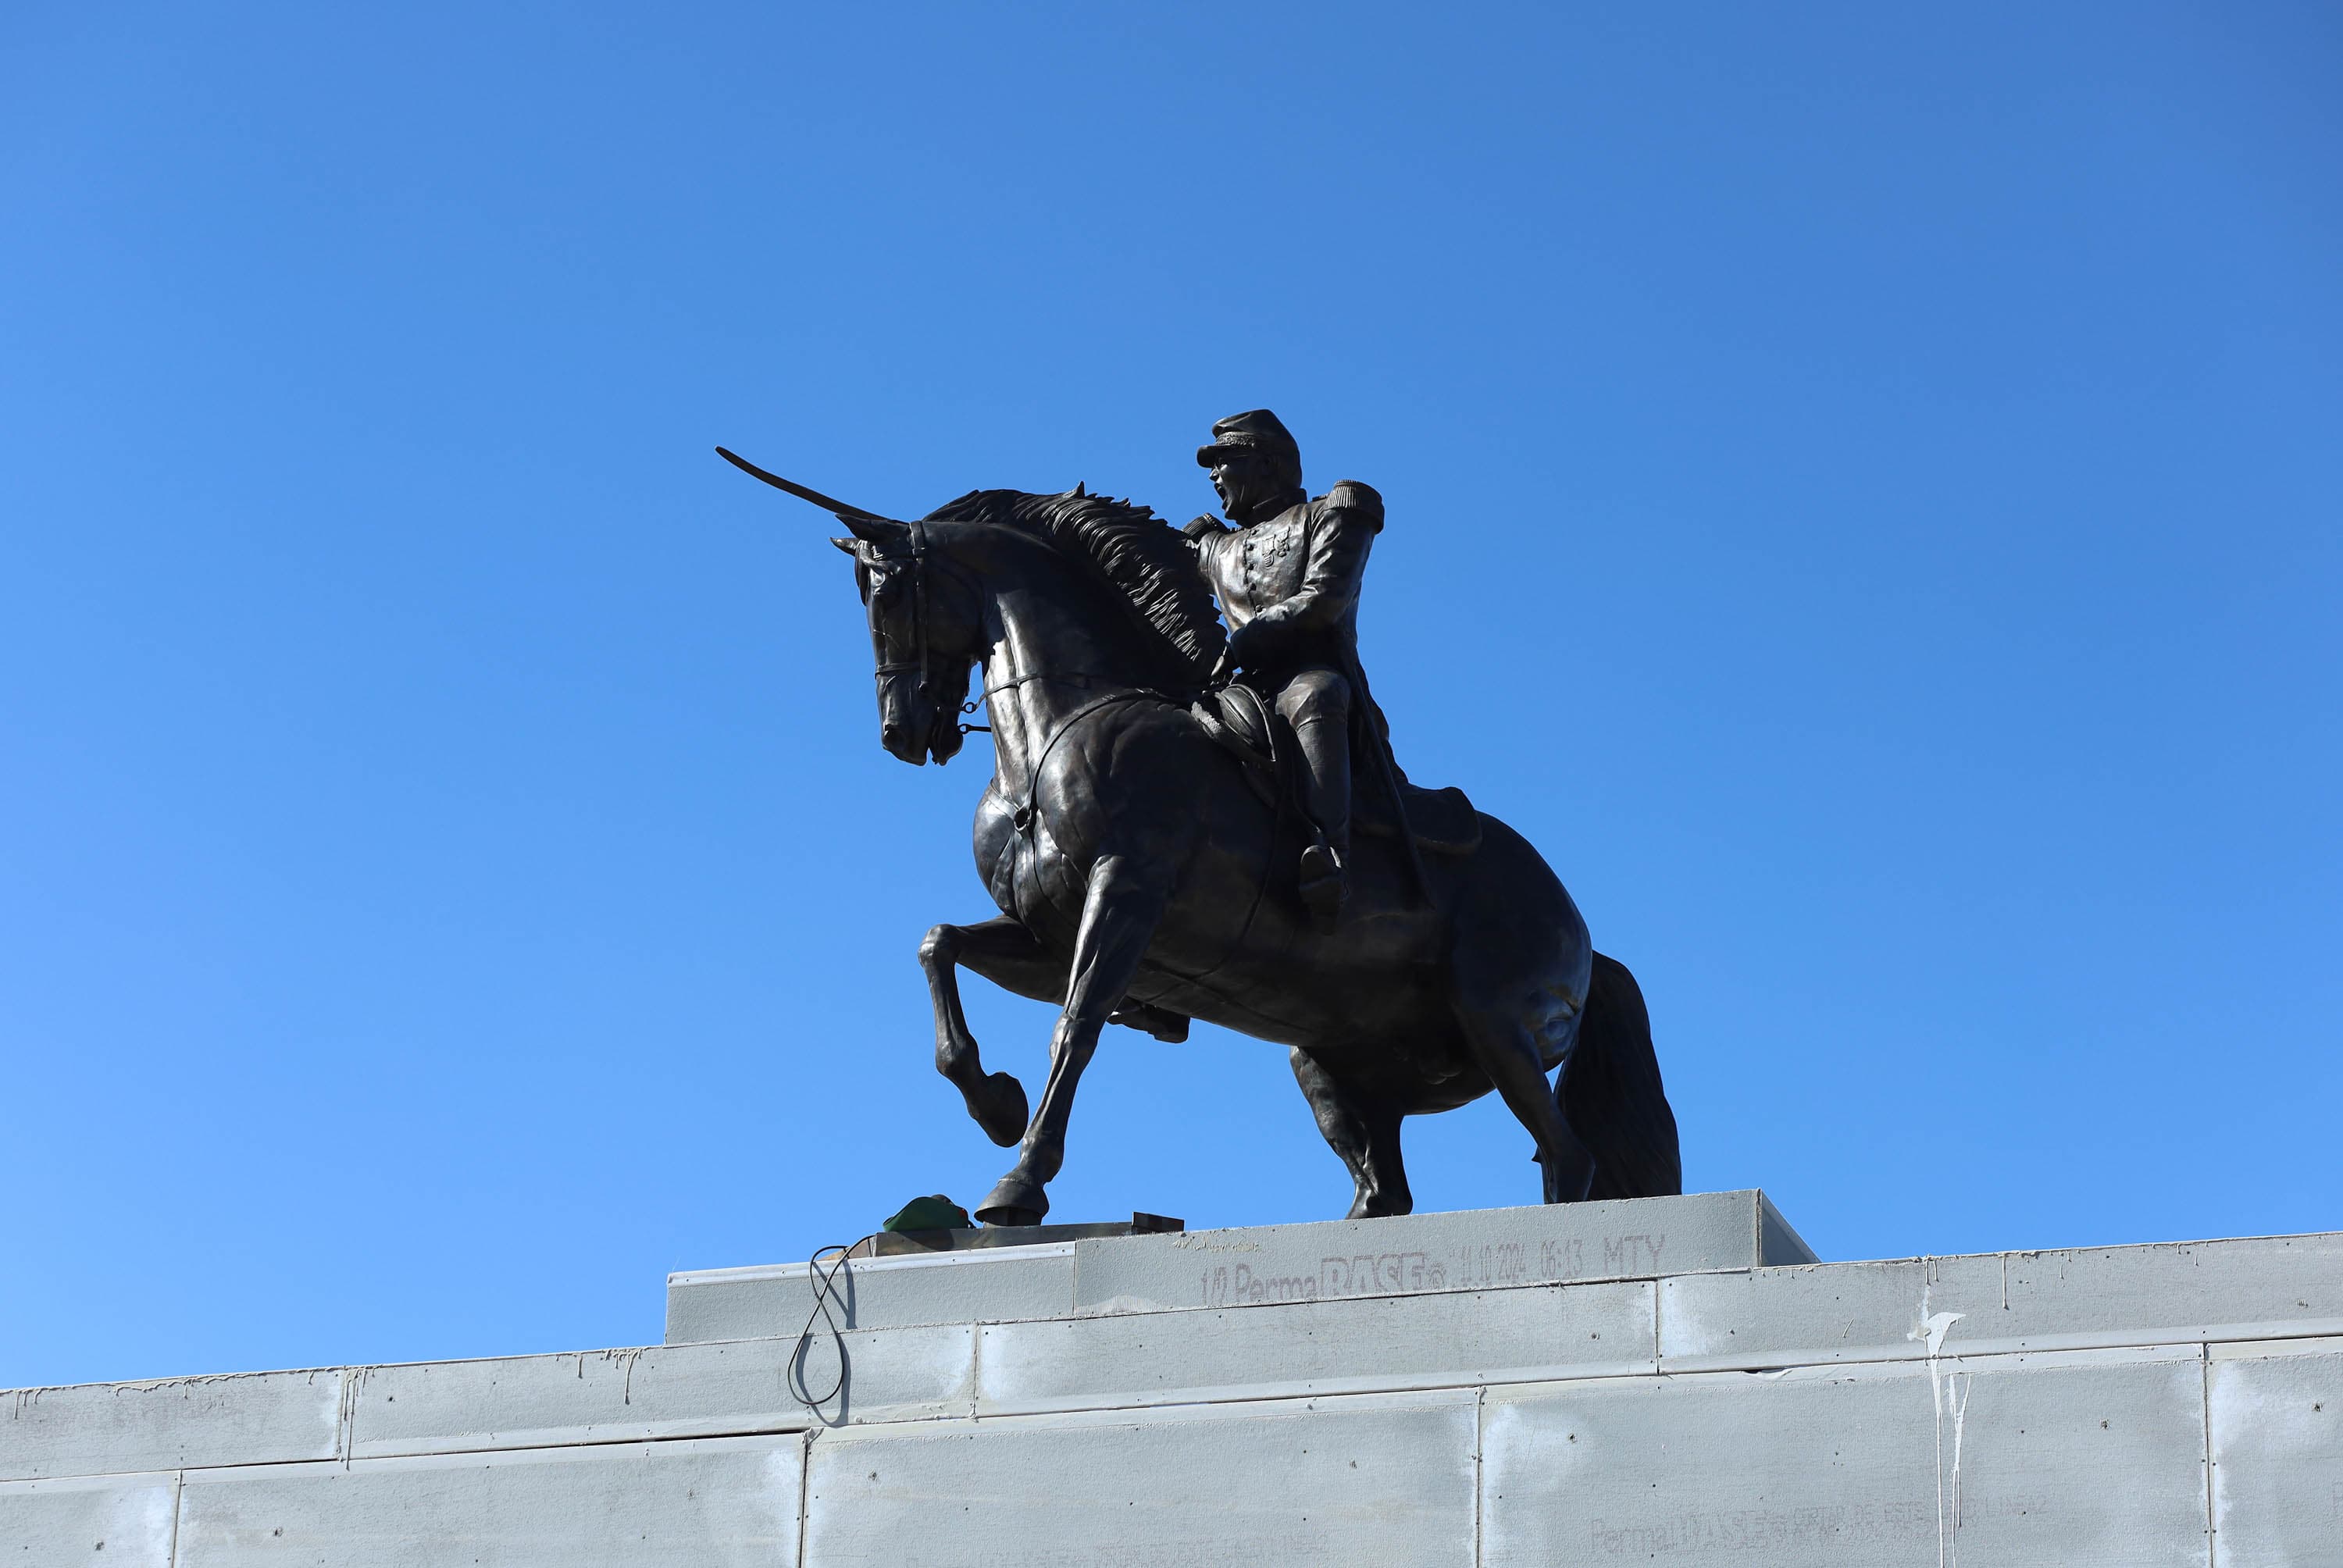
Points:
[1325,885]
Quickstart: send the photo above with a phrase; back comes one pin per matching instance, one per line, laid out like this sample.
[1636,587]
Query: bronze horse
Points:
[1144,879]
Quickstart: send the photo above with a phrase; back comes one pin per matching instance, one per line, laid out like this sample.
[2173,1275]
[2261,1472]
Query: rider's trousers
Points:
[1315,701]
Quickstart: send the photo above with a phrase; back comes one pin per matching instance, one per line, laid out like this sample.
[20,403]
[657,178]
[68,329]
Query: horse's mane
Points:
[1142,558]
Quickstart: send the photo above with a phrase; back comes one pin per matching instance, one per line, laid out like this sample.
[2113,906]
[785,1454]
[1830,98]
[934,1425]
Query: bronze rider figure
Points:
[1287,576]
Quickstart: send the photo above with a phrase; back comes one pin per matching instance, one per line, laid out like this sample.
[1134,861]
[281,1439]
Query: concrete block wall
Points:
[1511,1386]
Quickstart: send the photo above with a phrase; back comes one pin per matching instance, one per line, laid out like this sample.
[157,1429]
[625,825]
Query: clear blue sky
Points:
[1864,490]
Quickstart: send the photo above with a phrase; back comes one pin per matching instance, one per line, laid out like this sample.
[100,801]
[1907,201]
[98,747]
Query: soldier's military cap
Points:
[1256,429]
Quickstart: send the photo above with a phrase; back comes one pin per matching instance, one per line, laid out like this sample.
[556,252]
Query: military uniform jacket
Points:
[1298,573]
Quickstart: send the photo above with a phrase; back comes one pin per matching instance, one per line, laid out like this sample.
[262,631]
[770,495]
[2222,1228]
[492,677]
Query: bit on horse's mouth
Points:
[940,742]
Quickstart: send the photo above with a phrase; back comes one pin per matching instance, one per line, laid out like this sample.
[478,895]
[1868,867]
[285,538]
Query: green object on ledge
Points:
[936,1212]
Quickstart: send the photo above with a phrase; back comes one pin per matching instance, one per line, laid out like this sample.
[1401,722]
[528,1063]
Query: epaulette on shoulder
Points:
[1353,496]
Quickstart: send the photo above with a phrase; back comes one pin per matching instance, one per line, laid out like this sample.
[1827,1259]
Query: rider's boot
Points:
[1171,1028]
[1325,863]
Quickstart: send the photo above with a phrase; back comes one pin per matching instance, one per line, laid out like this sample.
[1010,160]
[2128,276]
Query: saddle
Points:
[1443,820]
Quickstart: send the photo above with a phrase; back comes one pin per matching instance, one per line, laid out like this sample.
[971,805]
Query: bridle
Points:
[919,661]
[921,667]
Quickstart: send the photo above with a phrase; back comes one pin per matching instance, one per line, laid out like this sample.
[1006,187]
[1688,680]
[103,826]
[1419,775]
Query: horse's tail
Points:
[1612,1094]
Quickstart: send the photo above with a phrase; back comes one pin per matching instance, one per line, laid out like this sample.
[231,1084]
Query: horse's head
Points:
[924,625]
[1125,602]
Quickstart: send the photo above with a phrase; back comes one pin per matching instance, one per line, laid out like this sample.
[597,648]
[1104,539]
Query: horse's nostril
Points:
[890,735]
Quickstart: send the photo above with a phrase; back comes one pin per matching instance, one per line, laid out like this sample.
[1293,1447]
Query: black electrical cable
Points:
[825,1290]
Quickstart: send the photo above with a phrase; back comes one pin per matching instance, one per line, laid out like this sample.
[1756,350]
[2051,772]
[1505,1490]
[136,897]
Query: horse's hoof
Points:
[1570,1183]
[998,1104]
[1004,1112]
[1016,1201]
[1379,1205]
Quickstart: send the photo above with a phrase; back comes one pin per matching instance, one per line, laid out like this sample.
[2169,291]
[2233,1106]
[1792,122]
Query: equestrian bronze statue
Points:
[1188,822]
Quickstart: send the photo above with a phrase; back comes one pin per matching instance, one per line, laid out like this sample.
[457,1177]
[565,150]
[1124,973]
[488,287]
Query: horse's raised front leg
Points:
[1005,952]
[1119,910]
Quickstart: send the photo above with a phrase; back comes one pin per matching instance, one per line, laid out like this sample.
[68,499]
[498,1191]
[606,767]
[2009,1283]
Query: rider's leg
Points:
[1315,701]
[1365,1134]
[1119,911]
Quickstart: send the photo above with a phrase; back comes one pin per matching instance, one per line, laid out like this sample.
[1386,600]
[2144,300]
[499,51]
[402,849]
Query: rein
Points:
[1021,819]
[982,697]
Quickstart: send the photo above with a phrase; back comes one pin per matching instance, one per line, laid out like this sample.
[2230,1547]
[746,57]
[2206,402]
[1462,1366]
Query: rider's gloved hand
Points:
[1199,527]
[1249,645]
[1243,650]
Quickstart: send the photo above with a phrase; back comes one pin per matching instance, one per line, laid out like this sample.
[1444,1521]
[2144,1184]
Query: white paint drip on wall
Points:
[1931,1332]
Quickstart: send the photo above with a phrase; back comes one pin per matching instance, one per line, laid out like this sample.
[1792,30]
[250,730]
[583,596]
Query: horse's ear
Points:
[850,546]
[1077,492]
[884,535]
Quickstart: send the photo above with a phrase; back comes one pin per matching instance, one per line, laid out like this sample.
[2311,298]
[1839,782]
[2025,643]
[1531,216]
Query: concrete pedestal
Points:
[1667,1380]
